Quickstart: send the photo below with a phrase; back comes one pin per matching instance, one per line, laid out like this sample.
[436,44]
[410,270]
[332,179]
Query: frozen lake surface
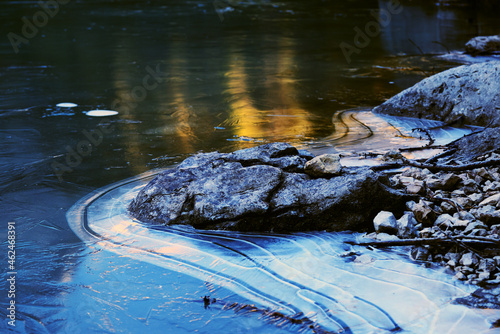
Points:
[339,288]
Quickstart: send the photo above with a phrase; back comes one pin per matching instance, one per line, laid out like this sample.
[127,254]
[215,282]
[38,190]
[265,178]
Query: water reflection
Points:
[269,71]
[277,114]
[435,29]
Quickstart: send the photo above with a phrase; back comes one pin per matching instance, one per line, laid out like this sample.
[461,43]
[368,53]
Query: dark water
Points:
[185,77]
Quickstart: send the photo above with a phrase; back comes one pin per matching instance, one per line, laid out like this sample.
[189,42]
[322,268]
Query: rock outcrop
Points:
[470,93]
[264,188]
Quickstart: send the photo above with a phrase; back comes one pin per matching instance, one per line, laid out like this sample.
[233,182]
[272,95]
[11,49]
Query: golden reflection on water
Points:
[176,117]
[274,113]
[263,101]
[283,118]
[182,122]
[124,82]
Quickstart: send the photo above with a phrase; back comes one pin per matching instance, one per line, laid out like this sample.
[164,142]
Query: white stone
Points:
[476,197]
[444,220]
[483,275]
[492,200]
[469,260]
[324,165]
[385,222]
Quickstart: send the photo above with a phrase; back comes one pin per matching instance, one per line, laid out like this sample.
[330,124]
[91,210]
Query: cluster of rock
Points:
[455,205]
[273,187]
[465,204]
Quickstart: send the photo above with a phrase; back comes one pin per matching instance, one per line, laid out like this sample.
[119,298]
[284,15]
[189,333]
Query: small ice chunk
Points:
[101,113]
[66,105]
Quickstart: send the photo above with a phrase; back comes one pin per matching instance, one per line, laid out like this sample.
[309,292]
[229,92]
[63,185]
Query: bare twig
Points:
[419,148]
[443,45]
[474,237]
[428,134]
[435,168]
[418,47]
[393,165]
[439,156]
[428,241]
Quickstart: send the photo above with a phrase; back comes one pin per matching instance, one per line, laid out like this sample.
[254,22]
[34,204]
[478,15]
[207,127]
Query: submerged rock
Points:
[482,298]
[264,188]
[470,93]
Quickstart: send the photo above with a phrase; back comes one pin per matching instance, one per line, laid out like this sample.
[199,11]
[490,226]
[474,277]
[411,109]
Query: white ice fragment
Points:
[101,113]
[66,105]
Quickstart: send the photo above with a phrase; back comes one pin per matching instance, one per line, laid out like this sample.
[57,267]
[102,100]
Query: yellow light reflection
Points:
[287,119]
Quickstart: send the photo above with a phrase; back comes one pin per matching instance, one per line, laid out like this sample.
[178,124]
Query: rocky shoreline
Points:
[461,205]
[448,206]
[456,221]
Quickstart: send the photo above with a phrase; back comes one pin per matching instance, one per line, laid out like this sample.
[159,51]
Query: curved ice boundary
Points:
[374,291]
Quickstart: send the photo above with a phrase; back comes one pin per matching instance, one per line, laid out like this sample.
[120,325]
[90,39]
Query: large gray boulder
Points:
[470,93]
[483,45]
[264,188]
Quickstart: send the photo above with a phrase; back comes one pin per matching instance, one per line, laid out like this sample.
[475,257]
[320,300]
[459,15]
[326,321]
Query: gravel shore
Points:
[459,210]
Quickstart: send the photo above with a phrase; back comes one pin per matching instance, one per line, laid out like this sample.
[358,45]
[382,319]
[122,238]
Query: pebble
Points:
[477,197]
